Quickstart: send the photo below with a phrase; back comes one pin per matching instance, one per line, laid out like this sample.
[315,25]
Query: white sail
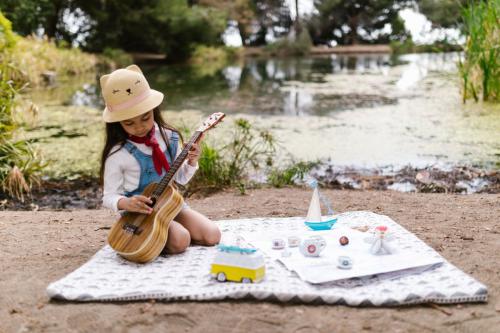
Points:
[314,212]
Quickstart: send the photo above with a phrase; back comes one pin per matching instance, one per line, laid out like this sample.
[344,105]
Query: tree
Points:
[160,26]
[240,11]
[355,21]
[443,13]
[272,16]
[27,16]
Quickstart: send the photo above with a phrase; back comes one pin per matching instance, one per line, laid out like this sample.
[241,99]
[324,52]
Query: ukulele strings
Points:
[166,179]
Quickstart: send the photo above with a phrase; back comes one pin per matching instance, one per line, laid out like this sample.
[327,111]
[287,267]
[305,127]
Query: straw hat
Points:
[127,94]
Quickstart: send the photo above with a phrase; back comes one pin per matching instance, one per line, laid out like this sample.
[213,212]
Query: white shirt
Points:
[122,171]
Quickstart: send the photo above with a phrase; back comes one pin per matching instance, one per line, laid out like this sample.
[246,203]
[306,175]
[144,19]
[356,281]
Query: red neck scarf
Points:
[159,159]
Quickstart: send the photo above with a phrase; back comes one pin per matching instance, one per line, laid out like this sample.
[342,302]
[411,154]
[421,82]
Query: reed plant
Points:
[480,70]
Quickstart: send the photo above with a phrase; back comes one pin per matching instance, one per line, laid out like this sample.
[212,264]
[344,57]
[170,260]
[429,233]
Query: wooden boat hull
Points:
[140,237]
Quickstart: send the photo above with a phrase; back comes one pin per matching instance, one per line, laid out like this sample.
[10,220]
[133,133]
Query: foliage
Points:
[37,56]
[20,167]
[29,15]
[160,26]
[229,165]
[117,57]
[240,11]
[408,46]
[19,163]
[288,46]
[272,17]
[7,38]
[353,22]
[480,70]
[443,13]
[289,175]
[207,54]
[207,60]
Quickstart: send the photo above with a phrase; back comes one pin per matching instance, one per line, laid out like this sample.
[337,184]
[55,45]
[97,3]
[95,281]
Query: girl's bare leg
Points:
[202,230]
[178,239]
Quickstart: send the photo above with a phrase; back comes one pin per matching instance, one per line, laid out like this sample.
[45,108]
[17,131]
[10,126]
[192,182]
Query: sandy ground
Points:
[40,247]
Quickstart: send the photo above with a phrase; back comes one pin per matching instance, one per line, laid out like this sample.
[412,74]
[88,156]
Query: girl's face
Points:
[140,125]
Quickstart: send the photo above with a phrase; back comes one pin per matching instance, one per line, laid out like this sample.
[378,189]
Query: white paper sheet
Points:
[324,268]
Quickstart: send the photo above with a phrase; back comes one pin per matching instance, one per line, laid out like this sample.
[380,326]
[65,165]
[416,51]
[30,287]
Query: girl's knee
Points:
[179,242]
[212,237]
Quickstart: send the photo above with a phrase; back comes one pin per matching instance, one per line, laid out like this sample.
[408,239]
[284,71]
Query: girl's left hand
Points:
[195,152]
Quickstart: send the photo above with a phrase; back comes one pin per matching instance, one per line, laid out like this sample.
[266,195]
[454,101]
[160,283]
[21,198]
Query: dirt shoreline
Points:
[40,247]
[85,192]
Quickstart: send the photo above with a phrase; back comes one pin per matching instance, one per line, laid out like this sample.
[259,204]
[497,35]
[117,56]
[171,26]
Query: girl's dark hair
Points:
[116,135]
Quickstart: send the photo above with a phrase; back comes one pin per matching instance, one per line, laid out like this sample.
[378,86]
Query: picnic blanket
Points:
[108,277]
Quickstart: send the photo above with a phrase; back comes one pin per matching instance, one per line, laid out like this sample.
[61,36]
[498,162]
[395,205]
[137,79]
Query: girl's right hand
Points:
[137,203]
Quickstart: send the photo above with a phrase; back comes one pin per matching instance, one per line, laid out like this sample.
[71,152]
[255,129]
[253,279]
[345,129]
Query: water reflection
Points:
[87,95]
[272,85]
[374,109]
[419,66]
[257,85]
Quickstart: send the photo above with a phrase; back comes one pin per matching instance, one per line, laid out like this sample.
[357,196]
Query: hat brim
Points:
[153,100]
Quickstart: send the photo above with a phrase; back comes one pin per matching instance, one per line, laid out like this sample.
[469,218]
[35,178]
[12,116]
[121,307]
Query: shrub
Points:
[37,56]
[116,58]
[278,177]
[289,46]
[19,163]
[229,165]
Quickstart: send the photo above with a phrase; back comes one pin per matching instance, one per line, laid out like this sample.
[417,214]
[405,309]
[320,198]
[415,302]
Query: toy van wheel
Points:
[246,280]
[221,277]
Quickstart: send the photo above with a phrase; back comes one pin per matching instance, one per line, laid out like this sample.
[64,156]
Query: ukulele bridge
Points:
[132,229]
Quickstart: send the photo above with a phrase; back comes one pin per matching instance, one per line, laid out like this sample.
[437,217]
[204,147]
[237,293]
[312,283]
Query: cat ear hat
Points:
[127,94]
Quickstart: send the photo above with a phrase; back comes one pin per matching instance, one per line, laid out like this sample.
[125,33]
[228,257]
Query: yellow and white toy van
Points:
[239,264]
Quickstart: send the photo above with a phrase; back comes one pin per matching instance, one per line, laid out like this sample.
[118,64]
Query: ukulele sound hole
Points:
[153,201]
[133,229]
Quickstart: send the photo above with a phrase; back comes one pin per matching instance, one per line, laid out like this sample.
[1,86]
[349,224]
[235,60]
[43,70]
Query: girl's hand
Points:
[195,152]
[137,203]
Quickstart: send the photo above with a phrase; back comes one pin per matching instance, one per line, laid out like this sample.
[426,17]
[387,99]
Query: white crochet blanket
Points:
[108,277]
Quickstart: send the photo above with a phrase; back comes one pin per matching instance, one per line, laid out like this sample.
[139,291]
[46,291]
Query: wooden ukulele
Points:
[140,237]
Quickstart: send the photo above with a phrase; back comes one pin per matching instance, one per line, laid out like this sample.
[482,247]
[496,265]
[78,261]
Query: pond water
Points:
[363,111]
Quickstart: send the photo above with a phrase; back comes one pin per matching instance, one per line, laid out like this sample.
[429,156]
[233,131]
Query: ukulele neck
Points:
[165,181]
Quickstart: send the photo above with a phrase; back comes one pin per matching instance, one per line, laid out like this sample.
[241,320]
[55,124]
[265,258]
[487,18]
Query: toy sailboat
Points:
[313,219]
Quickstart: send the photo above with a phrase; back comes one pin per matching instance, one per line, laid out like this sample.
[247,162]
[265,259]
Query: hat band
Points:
[131,102]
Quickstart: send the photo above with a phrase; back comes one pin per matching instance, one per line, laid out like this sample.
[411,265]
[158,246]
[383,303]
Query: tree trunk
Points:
[53,20]
[352,38]
[297,19]
[243,33]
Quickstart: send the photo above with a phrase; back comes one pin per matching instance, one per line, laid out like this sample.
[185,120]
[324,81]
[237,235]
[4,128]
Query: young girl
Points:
[140,148]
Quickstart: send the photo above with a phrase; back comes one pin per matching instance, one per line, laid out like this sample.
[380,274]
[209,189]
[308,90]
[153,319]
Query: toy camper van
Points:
[239,264]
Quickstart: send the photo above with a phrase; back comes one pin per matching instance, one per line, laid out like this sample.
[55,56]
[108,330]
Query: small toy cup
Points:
[293,241]
[278,243]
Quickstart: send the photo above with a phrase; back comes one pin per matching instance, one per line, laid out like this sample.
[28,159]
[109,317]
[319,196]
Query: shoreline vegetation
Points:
[33,63]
